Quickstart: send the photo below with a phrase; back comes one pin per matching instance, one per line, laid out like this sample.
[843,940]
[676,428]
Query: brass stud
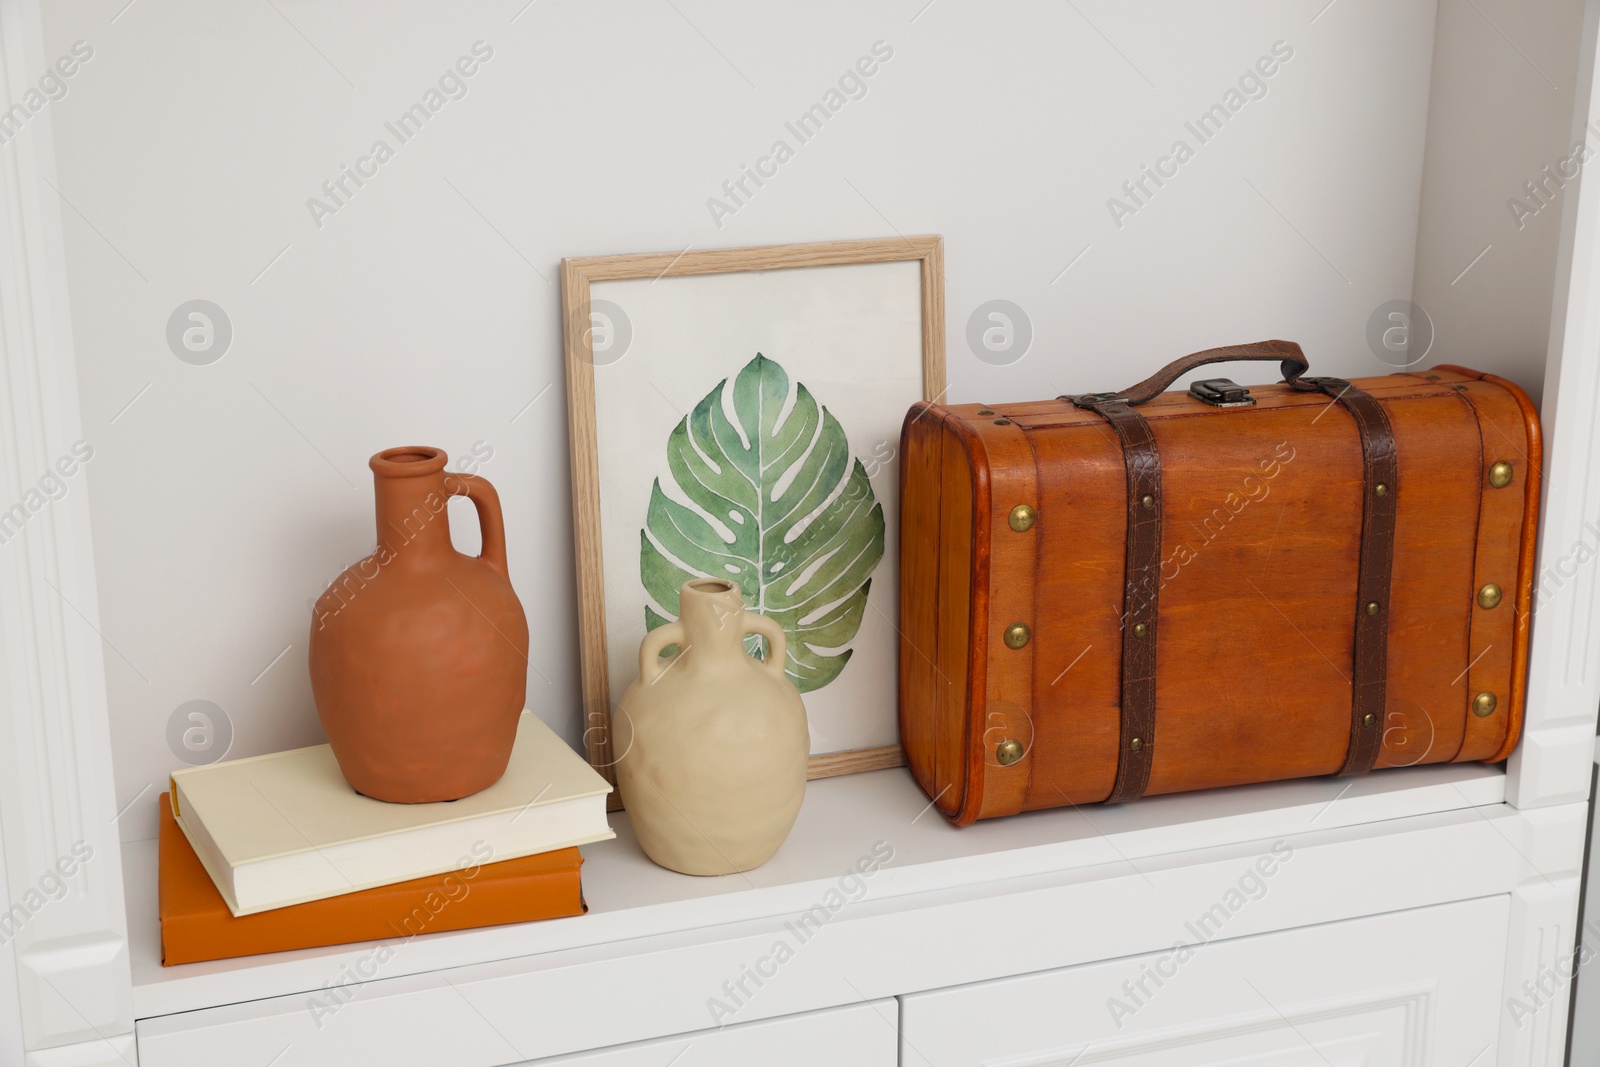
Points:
[1380,489]
[1002,422]
[1489,596]
[1023,518]
[1141,629]
[1008,752]
[1147,501]
[985,411]
[1017,635]
[1483,705]
[1136,744]
[1369,719]
[1373,607]
[1500,475]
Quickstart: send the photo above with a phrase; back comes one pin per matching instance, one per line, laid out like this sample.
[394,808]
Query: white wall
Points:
[226,495]
[1504,75]
[11,1048]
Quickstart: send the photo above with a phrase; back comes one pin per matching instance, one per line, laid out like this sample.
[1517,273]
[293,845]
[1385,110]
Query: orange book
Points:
[196,924]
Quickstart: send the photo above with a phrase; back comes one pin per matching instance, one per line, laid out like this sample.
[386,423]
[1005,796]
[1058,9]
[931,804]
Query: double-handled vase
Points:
[713,744]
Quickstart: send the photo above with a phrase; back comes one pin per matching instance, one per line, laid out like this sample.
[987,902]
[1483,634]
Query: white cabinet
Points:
[1434,911]
[862,1035]
[1397,990]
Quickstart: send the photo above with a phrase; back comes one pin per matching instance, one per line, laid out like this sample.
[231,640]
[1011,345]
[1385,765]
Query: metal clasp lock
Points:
[1222,393]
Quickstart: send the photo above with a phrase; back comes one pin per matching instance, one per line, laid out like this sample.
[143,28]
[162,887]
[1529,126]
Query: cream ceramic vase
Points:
[713,743]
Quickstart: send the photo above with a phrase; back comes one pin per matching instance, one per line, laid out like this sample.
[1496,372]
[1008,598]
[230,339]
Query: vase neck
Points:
[413,517]
[712,611]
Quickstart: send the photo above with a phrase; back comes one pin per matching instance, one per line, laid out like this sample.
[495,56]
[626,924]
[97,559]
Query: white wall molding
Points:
[1552,764]
[1540,967]
[65,921]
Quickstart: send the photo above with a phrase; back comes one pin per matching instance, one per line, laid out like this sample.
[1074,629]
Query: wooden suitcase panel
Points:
[919,569]
[936,556]
[1073,758]
[1003,685]
[1499,634]
[1431,589]
[1255,626]
[959,585]
[1528,478]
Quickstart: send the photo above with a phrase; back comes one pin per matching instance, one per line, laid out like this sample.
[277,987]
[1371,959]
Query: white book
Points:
[287,828]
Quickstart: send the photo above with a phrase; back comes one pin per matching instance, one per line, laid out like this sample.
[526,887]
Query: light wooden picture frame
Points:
[672,324]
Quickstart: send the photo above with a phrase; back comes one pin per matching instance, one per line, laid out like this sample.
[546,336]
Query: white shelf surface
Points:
[629,897]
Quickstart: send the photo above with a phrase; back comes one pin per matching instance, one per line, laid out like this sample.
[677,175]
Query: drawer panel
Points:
[862,1035]
[1403,989]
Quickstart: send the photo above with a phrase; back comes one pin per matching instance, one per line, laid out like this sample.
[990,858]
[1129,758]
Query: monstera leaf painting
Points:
[779,506]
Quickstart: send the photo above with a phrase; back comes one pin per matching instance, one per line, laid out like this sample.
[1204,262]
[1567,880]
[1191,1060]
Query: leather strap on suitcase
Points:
[1380,472]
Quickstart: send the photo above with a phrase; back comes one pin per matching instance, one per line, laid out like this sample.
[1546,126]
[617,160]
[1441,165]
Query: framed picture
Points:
[683,363]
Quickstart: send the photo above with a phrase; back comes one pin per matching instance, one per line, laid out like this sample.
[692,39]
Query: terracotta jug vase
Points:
[419,653]
[714,743]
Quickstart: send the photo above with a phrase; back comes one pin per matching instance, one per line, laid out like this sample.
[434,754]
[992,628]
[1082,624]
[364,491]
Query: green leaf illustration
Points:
[779,507]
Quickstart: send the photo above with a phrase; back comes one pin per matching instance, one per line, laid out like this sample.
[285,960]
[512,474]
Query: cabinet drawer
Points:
[861,1035]
[856,1035]
[1397,990]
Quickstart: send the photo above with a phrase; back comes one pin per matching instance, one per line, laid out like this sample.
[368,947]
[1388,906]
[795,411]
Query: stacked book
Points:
[278,852]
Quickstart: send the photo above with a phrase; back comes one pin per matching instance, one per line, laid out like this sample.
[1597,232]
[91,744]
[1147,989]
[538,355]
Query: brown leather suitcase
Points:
[1112,595]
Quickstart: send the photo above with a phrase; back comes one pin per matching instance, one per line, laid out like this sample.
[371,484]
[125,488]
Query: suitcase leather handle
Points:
[1285,352]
